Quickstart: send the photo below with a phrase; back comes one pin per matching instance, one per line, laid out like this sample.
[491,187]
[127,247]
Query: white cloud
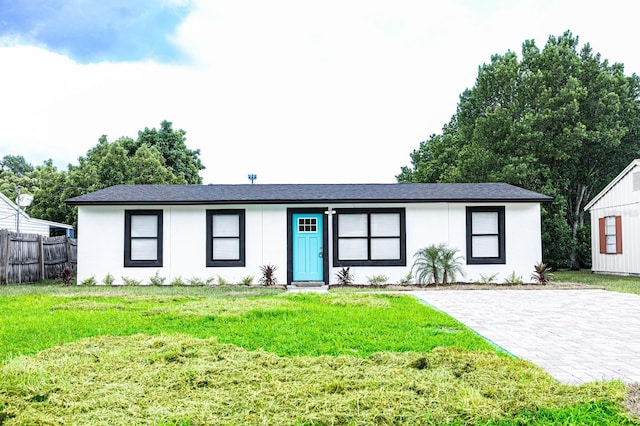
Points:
[292,91]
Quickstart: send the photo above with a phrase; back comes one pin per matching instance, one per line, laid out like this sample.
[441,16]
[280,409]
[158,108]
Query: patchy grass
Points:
[624,284]
[182,380]
[286,324]
[245,355]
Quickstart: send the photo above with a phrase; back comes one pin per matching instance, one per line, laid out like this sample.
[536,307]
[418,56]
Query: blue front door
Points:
[307,247]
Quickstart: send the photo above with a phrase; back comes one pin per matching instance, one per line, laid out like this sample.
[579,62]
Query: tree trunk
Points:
[577,222]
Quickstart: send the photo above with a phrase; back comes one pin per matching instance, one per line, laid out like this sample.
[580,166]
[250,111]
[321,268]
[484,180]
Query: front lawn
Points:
[192,356]
[624,284]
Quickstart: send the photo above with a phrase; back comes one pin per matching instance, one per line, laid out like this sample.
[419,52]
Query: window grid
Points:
[143,243]
[225,238]
[368,248]
[610,234]
[485,235]
[307,224]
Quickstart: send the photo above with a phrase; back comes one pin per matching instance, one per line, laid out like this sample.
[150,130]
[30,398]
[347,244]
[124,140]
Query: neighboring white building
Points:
[308,231]
[28,225]
[615,224]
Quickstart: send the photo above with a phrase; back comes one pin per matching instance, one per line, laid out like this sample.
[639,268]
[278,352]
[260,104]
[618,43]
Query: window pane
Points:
[144,226]
[611,243]
[146,249]
[352,249]
[385,248]
[484,223]
[226,249]
[610,223]
[225,225]
[352,225]
[385,225]
[484,246]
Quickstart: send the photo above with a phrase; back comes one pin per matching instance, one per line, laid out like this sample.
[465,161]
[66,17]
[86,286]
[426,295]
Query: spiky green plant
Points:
[427,264]
[451,265]
[437,264]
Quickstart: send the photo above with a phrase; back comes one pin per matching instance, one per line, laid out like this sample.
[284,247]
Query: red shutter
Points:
[618,234]
[603,235]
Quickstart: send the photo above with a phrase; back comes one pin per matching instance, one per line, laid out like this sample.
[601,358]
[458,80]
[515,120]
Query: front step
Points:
[307,284]
[311,286]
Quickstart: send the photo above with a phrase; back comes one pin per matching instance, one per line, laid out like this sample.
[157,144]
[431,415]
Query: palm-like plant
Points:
[451,265]
[427,264]
[437,263]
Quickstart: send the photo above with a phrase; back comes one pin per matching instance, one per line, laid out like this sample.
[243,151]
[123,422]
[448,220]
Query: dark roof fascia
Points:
[319,201]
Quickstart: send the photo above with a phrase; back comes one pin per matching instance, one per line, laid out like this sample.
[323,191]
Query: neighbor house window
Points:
[225,238]
[369,237]
[610,234]
[143,238]
[485,235]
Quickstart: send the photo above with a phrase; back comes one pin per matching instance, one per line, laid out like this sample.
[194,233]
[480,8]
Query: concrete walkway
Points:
[577,336]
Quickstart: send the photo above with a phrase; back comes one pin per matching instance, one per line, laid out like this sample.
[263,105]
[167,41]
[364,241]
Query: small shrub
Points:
[268,275]
[222,281]
[89,281]
[195,281]
[377,279]
[541,273]
[178,281]
[210,281]
[130,281]
[437,264]
[108,279]
[248,280]
[513,279]
[491,279]
[344,276]
[156,279]
[406,280]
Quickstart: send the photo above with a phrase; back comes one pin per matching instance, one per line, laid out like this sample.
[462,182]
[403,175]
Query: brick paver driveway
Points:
[575,335]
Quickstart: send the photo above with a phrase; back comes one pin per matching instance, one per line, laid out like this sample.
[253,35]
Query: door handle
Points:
[320,254]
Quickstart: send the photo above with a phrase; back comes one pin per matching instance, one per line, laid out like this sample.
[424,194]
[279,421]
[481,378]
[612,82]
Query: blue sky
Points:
[94,30]
[291,90]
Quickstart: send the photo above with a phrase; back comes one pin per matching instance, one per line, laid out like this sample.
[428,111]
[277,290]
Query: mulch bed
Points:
[472,286]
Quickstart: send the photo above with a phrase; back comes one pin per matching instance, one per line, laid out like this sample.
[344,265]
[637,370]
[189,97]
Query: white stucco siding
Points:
[620,200]
[101,241]
[435,223]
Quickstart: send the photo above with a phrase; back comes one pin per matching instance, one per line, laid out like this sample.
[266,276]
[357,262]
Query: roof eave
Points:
[308,201]
[611,184]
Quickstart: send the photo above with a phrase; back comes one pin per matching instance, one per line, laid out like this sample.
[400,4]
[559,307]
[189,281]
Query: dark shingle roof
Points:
[308,193]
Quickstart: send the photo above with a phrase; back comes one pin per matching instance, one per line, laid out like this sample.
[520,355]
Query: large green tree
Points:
[560,121]
[171,144]
[156,156]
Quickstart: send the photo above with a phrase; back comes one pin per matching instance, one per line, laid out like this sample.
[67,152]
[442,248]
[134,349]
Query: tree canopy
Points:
[560,121]
[156,156]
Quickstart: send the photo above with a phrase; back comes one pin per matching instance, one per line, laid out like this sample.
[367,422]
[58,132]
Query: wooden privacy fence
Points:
[26,258]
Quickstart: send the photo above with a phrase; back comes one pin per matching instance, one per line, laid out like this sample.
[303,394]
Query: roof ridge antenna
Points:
[252,177]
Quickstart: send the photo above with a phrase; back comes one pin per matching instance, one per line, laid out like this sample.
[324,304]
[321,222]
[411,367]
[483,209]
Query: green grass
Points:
[624,284]
[244,355]
[291,324]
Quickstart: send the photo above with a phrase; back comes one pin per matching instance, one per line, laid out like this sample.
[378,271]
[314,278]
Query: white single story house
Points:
[308,231]
[11,217]
[615,224]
